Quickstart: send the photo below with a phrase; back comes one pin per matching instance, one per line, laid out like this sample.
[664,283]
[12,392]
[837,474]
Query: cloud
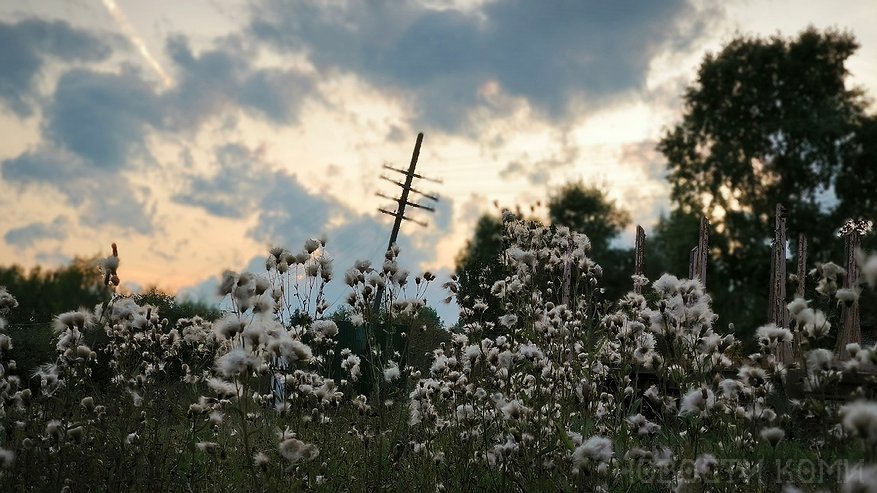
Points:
[225,77]
[30,234]
[102,117]
[234,188]
[549,53]
[96,127]
[103,197]
[27,45]
[540,171]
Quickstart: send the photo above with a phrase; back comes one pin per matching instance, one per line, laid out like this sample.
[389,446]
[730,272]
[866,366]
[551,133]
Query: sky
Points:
[198,134]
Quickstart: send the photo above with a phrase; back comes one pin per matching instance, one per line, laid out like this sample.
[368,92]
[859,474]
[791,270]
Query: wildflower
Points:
[78,320]
[796,306]
[847,296]
[860,418]
[828,272]
[110,266]
[53,429]
[351,365]
[869,269]
[7,457]
[136,399]
[228,326]
[662,457]
[697,402]
[819,360]
[391,372]
[498,289]
[311,245]
[597,449]
[465,411]
[514,410]
[222,388]
[131,438]
[209,447]
[667,283]
[295,450]
[770,335]
[261,460]
[815,324]
[75,434]
[235,363]
[324,328]
[773,435]
[705,464]
[730,388]
[7,301]
[642,426]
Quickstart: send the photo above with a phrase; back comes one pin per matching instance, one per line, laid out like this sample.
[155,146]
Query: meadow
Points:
[564,390]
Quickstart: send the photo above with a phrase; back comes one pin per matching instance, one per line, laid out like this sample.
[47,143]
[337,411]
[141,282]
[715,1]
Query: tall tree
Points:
[588,209]
[584,209]
[478,264]
[768,121]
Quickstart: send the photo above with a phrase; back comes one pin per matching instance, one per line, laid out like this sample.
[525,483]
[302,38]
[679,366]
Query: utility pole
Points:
[402,203]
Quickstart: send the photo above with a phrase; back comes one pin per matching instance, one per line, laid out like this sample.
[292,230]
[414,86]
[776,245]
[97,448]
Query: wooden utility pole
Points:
[639,257]
[402,203]
[778,313]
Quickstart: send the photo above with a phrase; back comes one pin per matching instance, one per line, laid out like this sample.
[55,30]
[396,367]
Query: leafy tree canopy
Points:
[768,121]
[588,209]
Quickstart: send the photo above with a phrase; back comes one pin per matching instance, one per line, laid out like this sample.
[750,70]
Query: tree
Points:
[589,210]
[584,209]
[478,264]
[174,309]
[769,121]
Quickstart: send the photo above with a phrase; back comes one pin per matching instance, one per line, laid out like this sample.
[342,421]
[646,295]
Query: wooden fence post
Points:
[697,259]
[639,257]
[692,263]
[802,265]
[799,289]
[851,331]
[779,314]
[567,274]
[704,247]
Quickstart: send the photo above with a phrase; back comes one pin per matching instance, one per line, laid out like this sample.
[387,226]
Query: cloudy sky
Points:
[196,134]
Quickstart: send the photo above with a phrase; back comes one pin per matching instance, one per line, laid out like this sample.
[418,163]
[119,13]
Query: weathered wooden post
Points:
[697,258]
[802,265]
[778,313]
[799,289]
[851,331]
[567,274]
[639,257]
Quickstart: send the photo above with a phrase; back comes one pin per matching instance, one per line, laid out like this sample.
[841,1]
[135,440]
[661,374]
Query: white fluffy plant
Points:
[506,390]
[13,397]
[263,365]
[276,357]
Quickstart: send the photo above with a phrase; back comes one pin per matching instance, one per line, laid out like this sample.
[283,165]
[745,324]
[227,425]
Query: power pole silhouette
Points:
[402,203]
